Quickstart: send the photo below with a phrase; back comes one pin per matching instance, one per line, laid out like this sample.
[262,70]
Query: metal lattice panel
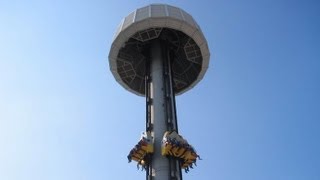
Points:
[193,52]
[147,34]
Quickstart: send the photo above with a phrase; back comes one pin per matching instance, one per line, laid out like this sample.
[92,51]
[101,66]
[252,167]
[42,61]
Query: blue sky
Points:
[255,115]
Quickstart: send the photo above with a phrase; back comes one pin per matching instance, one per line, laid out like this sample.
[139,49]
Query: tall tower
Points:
[159,51]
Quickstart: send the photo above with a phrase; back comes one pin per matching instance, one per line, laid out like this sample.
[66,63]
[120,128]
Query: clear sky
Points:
[254,116]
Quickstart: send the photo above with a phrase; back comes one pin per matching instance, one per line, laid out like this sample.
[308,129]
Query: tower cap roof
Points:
[191,52]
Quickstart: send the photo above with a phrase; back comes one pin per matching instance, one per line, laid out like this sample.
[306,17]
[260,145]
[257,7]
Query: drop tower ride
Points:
[159,51]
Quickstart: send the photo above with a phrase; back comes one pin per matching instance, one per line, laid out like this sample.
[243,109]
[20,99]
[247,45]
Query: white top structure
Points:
[170,24]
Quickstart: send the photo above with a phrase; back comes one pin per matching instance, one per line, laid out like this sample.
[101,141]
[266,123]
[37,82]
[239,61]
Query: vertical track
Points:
[148,98]
[172,124]
[174,110]
[148,111]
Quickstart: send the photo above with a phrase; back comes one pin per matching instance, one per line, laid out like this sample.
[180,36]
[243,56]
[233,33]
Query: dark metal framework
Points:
[186,58]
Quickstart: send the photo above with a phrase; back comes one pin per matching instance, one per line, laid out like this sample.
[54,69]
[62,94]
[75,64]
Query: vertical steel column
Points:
[175,164]
[160,164]
[148,114]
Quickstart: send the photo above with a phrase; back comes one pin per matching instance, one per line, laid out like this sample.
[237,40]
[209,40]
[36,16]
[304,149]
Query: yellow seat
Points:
[174,145]
[149,148]
[175,150]
[186,155]
[135,158]
[180,152]
[144,148]
[141,151]
[165,149]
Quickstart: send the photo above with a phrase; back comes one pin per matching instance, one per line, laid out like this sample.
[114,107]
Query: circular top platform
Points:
[173,26]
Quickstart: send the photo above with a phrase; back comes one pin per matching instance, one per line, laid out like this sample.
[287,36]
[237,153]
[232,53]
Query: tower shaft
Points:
[160,164]
[162,112]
